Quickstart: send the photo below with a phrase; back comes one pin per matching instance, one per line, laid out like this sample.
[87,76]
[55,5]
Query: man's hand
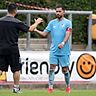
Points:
[38,21]
[35,30]
[61,45]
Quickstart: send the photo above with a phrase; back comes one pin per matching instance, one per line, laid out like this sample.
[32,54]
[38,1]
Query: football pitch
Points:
[43,92]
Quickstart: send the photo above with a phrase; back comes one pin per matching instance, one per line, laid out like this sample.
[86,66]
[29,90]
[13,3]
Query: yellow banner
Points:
[3,76]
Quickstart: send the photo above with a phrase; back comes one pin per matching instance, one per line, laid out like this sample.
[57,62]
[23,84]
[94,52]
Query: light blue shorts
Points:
[62,60]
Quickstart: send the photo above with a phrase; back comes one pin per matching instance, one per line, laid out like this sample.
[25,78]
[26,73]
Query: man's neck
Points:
[10,15]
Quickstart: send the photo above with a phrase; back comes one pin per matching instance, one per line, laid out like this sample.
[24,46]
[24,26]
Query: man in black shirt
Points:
[9,51]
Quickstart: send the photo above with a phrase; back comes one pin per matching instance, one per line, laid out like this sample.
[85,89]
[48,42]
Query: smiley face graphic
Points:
[86,66]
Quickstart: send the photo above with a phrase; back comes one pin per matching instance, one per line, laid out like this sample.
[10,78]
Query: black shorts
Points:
[13,60]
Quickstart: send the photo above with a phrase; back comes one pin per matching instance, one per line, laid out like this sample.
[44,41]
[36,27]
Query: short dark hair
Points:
[12,7]
[60,6]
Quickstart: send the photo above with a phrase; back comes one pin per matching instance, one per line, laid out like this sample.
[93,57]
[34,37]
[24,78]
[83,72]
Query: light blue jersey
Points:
[57,31]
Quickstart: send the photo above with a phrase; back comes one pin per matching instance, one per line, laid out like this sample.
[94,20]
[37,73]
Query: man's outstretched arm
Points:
[42,33]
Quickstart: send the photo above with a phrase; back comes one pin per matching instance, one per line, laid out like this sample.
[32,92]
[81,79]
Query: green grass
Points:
[43,92]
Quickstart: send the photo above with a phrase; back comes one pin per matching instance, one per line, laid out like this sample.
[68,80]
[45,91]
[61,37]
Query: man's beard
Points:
[58,16]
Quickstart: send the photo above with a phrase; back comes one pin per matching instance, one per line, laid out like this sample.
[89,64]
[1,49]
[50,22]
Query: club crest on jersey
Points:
[62,25]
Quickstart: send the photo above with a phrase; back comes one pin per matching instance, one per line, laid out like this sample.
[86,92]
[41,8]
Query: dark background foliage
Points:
[80,22]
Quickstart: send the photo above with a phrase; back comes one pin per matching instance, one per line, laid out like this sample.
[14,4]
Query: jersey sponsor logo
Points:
[54,27]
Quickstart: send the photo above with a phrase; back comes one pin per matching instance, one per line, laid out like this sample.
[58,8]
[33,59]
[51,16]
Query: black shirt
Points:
[9,33]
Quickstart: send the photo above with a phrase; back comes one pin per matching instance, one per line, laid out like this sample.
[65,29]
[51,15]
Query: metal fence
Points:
[49,12]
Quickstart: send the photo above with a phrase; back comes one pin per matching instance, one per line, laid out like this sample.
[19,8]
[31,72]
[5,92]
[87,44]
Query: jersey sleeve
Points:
[69,26]
[22,27]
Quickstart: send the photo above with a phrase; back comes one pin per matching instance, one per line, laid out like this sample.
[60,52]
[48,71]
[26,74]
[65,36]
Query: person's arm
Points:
[42,33]
[37,22]
[46,30]
[68,33]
